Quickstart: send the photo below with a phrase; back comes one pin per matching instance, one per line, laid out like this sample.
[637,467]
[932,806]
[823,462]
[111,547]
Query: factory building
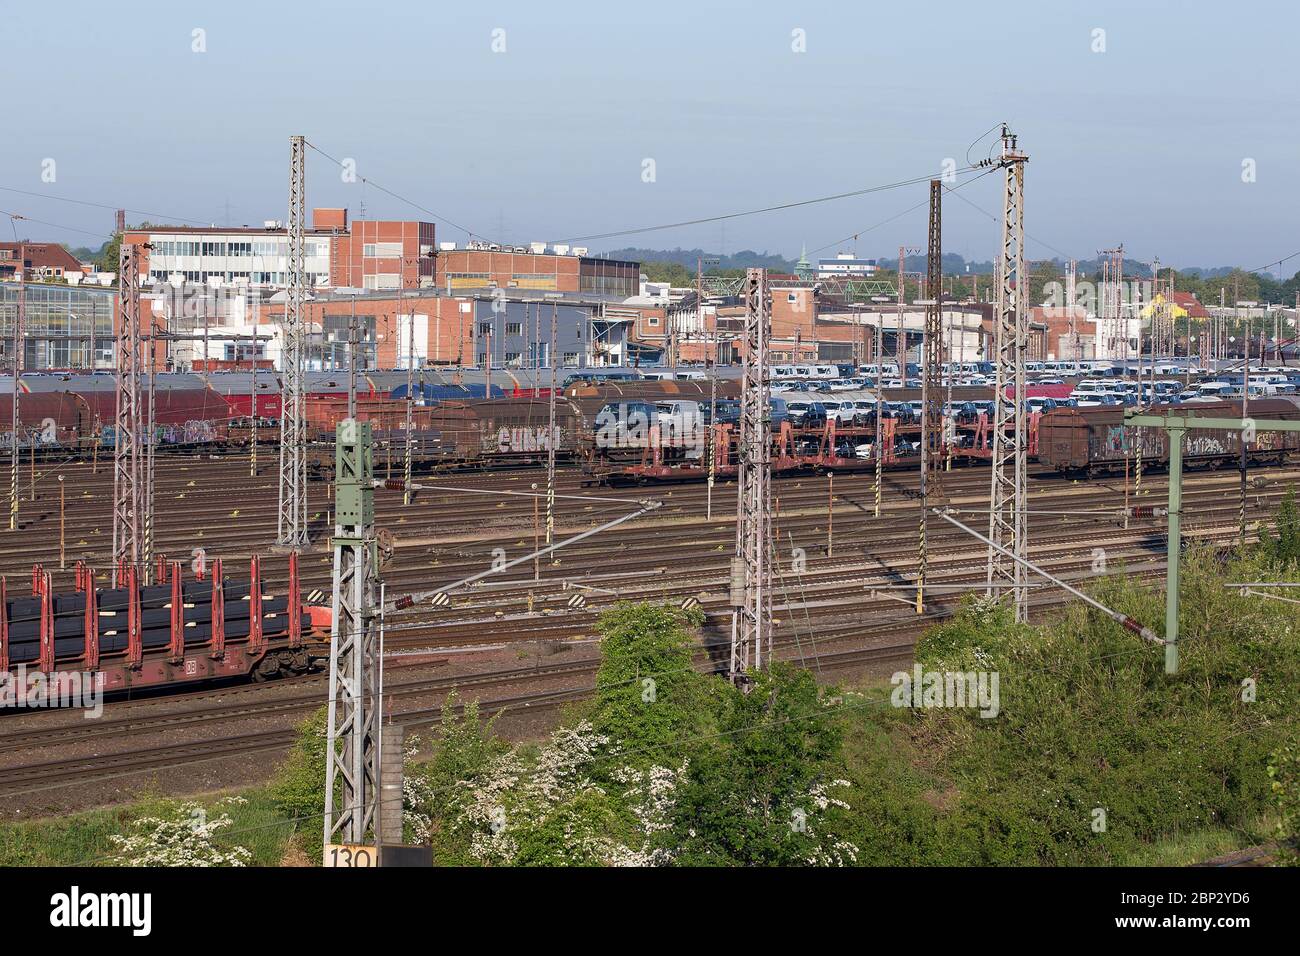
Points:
[65,327]
[537,267]
[365,253]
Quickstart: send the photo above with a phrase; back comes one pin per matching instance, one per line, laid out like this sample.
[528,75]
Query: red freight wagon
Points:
[1097,440]
[183,415]
[46,419]
[386,415]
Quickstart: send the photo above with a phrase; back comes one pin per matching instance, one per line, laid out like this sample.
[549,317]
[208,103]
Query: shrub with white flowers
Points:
[182,835]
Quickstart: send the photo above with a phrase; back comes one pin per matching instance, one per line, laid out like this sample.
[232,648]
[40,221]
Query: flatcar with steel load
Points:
[1097,441]
[174,633]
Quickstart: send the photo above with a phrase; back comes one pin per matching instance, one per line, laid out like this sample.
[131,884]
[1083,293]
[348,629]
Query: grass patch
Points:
[83,839]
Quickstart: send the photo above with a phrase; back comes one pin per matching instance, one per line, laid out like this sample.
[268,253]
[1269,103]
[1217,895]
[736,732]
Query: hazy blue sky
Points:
[1142,144]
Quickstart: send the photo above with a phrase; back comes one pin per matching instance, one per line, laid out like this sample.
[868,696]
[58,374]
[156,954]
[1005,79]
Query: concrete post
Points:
[1175,547]
[390,783]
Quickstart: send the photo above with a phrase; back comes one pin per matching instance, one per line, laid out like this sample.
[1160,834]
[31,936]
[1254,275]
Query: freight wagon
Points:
[508,429]
[1096,441]
[173,633]
[517,429]
[47,420]
[182,416]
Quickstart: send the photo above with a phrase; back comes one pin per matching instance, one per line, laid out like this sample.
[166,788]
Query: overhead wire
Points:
[100,205]
[923,203]
[764,209]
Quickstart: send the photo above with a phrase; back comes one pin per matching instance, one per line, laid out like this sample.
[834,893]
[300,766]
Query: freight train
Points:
[1096,441]
[75,411]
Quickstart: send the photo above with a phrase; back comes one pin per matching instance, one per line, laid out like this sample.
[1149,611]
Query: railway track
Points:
[48,775]
[854,590]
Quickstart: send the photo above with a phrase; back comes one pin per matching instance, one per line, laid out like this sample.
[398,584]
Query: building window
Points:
[467,280]
[514,328]
[570,358]
[512,358]
[485,328]
[652,321]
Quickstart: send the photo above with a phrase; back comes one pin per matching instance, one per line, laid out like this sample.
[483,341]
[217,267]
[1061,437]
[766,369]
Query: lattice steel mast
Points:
[355,709]
[291,526]
[932,417]
[751,598]
[127,487]
[1007,496]
[150,440]
[550,426]
[19,347]
[410,403]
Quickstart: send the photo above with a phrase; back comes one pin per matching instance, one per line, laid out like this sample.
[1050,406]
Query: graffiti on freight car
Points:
[1204,445]
[29,439]
[527,438]
[195,431]
[1120,441]
[199,430]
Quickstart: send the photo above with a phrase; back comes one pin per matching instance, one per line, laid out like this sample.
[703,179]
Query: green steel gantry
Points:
[1177,426]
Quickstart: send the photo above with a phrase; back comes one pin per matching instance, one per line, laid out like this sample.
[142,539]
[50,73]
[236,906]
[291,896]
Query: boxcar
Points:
[1097,441]
[507,429]
[46,420]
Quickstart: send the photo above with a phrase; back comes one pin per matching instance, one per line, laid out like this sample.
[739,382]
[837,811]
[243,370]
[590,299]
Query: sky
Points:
[1172,130]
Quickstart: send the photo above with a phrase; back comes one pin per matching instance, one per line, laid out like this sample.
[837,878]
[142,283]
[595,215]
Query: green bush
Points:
[648,695]
[1284,548]
[298,789]
[1090,722]
[1284,772]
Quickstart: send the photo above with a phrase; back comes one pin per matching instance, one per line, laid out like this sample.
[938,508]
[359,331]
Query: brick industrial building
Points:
[36,260]
[367,254]
[538,267]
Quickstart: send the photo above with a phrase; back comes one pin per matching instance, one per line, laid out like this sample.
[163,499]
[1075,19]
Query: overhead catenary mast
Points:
[932,416]
[291,526]
[410,402]
[1070,278]
[150,440]
[751,598]
[127,490]
[550,428]
[252,388]
[900,343]
[19,348]
[1007,496]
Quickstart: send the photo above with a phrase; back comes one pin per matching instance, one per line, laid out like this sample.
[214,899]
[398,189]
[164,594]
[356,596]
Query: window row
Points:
[263,248]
